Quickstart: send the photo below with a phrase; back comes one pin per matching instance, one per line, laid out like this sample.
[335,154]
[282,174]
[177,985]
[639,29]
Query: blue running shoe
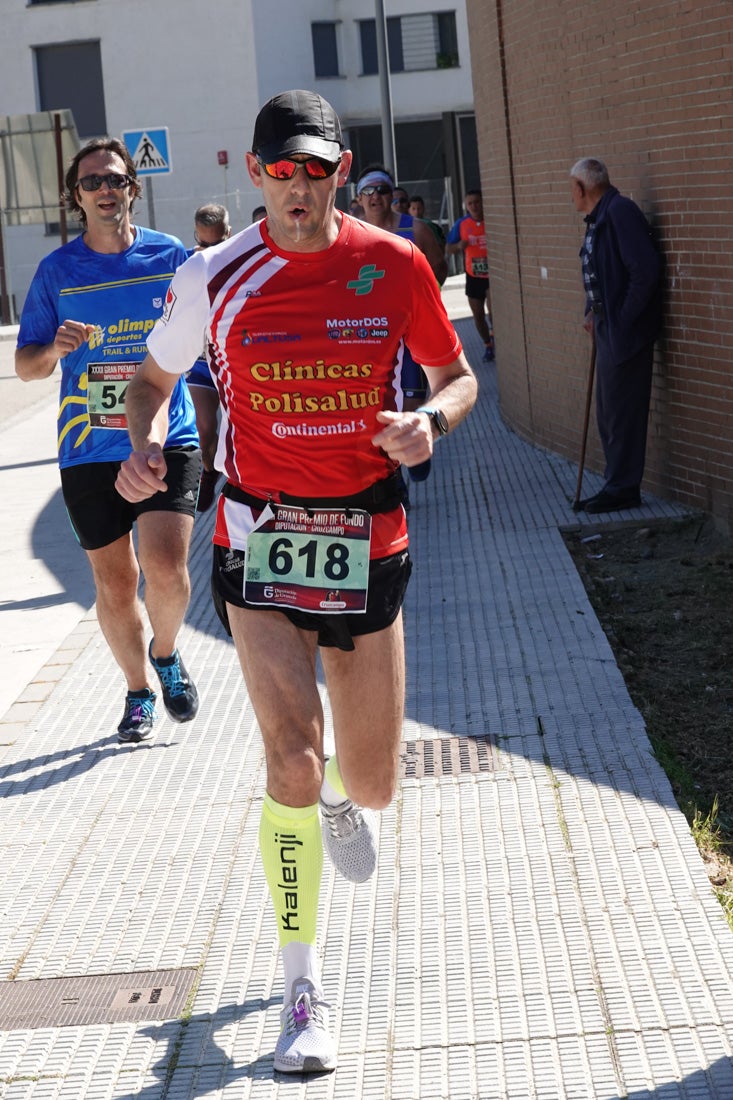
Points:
[137,721]
[180,696]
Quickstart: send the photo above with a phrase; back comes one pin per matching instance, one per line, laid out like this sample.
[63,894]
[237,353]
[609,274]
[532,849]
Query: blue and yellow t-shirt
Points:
[122,295]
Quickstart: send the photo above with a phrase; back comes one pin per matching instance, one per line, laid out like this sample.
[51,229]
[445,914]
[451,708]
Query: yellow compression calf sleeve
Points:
[292,857]
[333,776]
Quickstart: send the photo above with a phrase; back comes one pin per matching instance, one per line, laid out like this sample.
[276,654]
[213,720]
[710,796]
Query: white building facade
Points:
[202,68]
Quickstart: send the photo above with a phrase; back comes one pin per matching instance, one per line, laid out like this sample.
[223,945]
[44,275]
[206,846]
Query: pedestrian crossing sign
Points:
[149,149]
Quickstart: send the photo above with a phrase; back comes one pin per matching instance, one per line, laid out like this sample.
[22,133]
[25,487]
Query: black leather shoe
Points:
[611,502]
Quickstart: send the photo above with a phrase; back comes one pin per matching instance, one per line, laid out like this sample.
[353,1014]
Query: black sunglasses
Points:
[207,244]
[380,189]
[114,180]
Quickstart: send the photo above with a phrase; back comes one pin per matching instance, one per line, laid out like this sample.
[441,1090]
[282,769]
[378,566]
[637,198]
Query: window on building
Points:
[70,75]
[420,148]
[414,42]
[368,33]
[447,56]
[325,49]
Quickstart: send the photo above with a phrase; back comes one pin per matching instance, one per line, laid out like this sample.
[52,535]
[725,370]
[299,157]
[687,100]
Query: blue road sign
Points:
[150,150]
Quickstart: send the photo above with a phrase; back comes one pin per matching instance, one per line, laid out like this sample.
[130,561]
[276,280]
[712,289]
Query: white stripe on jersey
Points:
[227,304]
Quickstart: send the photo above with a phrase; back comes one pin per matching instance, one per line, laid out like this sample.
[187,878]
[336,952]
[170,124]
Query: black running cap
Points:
[297,122]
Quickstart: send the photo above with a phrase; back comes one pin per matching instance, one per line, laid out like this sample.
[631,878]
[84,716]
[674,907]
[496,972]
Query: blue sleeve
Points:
[454,233]
[181,254]
[39,320]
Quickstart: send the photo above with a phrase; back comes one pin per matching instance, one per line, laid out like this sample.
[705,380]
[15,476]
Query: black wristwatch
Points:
[438,418]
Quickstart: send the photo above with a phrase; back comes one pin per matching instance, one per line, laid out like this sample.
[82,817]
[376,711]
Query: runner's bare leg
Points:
[163,541]
[279,665]
[367,692]
[366,689]
[119,611]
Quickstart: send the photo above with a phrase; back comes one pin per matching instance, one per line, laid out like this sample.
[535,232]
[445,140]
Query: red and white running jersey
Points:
[305,349]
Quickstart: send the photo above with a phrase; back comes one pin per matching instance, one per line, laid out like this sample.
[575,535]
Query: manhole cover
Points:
[95,999]
[447,756]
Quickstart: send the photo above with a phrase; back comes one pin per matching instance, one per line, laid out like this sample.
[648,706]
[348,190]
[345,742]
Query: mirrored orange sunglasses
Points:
[315,168]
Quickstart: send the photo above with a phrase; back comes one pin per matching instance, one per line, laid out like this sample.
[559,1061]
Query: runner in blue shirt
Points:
[90,306]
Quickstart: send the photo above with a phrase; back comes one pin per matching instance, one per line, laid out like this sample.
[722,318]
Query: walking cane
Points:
[588,396]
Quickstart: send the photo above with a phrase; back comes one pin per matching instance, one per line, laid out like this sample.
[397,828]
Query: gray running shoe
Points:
[349,835]
[305,1045]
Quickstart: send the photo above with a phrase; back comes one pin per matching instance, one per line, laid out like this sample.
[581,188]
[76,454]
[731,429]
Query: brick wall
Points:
[648,91]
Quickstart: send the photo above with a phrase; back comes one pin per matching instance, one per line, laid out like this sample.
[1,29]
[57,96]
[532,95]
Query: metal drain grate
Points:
[95,999]
[446,756]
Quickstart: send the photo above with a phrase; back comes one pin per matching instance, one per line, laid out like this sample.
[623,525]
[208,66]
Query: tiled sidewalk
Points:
[540,925]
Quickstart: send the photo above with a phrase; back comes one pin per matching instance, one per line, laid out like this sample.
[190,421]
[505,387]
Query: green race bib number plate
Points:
[480,267]
[315,561]
[106,388]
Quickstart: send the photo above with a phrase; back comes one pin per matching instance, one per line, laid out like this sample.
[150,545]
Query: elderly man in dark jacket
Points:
[622,272]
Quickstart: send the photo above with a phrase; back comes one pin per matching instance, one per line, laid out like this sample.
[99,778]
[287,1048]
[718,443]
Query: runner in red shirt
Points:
[468,235]
[305,316]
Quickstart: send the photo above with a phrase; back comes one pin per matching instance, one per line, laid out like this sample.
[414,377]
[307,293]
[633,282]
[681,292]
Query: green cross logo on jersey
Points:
[364,283]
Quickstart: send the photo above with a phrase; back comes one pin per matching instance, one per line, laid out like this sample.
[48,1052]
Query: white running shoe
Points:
[305,1045]
[349,835]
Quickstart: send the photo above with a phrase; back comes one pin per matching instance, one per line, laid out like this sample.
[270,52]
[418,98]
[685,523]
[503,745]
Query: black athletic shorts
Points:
[99,515]
[476,287]
[388,579]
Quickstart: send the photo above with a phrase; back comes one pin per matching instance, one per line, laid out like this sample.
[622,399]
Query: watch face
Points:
[440,421]
[438,418]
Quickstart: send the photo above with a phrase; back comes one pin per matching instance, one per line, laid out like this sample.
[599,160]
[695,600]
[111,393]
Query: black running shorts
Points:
[476,287]
[388,579]
[99,515]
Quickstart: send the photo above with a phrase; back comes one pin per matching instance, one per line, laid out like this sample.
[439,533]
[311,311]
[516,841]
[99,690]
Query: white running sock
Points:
[300,960]
[333,792]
